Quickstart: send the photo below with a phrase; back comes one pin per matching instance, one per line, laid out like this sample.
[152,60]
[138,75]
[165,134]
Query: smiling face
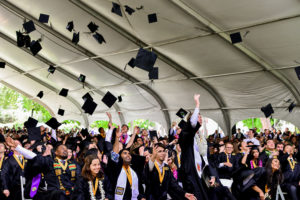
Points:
[62,152]
[95,167]
[125,155]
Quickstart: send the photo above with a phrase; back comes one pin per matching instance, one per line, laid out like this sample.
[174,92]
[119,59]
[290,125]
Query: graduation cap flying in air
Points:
[53,123]
[145,60]
[267,110]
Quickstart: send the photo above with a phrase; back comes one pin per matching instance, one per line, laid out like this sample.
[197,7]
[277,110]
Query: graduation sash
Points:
[60,168]
[292,163]
[122,182]
[19,163]
[161,175]
[198,160]
[1,162]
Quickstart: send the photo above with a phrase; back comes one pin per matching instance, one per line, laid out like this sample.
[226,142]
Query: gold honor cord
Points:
[96,186]
[18,161]
[161,176]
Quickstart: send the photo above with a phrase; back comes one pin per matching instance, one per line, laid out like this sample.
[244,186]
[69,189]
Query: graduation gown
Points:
[10,177]
[82,190]
[158,191]
[113,171]
[192,183]
[68,177]
[227,172]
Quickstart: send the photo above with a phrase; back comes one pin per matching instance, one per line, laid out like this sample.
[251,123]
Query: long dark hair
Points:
[86,170]
[273,178]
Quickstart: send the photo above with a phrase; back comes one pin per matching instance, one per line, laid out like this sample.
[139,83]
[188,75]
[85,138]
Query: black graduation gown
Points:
[227,172]
[1,194]
[82,190]
[113,171]
[10,177]
[45,165]
[157,191]
[187,171]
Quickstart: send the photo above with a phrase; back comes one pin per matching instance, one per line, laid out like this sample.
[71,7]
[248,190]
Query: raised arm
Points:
[194,117]
[132,137]
[25,152]
[117,141]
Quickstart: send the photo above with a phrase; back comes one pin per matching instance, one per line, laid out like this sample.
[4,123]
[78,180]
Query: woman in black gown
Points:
[90,186]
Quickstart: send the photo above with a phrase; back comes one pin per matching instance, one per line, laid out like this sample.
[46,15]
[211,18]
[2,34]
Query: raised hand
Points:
[196,98]
[118,132]
[10,142]
[108,115]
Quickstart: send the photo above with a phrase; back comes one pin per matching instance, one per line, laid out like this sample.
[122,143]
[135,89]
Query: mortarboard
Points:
[152,18]
[44,18]
[51,69]
[131,63]
[84,132]
[129,10]
[181,113]
[27,40]
[70,26]
[61,112]
[291,107]
[93,27]
[87,96]
[29,26]
[2,64]
[297,70]
[34,133]
[35,47]
[116,9]
[153,74]
[153,134]
[31,122]
[145,59]
[75,38]
[64,92]
[81,78]
[100,39]
[53,123]
[182,124]
[89,106]
[20,39]
[120,98]
[40,94]
[267,110]
[109,99]
[235,37]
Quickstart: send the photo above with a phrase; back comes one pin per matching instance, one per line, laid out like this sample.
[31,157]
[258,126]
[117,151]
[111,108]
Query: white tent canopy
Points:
[195,55]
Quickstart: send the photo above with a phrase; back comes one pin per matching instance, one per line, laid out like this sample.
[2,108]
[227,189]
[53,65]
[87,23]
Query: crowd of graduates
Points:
[41,163]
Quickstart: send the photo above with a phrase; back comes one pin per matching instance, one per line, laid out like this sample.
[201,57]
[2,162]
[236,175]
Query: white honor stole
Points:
[128,138]
[198,160]
[122,182]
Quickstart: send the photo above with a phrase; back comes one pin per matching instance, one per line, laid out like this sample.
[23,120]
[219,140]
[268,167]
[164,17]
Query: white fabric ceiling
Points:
[195,55]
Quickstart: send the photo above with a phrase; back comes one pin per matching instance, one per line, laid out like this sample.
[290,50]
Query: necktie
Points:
[63,162]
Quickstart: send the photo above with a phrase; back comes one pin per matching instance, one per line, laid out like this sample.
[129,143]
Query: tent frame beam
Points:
[160,55]
[10,7]
[72,100]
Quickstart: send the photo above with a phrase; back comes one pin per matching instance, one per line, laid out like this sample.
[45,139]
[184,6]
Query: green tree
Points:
[143,124]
